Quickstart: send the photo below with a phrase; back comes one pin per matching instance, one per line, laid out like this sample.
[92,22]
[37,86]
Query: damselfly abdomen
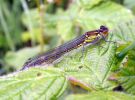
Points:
[90,37]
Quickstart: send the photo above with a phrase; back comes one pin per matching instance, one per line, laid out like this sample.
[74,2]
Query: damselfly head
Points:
[103,30]
[91,36]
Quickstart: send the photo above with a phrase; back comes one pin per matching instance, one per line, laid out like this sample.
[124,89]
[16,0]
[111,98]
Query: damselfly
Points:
[90,37]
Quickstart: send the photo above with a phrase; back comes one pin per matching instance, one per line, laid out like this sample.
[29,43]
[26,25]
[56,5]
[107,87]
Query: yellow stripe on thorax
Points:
[91,38]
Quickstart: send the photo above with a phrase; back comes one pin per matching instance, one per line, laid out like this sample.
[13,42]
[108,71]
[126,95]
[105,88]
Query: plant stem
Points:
[30,27]
[41,9]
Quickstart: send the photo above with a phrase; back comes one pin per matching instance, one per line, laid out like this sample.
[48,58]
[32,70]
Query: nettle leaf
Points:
[124,32]
[94,67]
[109,15]
[101,95]
[34,83]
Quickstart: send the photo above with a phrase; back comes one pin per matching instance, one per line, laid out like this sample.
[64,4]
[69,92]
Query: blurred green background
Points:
[30,27]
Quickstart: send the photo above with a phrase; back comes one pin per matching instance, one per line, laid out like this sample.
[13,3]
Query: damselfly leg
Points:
[105,39]
[82,54]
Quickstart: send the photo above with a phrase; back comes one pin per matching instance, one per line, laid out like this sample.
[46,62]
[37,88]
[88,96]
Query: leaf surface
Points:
[101,95]
[34,83]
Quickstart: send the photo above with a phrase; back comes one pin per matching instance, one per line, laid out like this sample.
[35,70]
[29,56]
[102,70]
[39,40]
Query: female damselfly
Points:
[90,37]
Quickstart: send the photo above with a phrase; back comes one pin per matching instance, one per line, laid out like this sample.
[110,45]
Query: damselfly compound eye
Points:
[103,29]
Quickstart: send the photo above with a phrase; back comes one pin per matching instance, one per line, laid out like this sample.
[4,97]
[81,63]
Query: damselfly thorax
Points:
[90,37]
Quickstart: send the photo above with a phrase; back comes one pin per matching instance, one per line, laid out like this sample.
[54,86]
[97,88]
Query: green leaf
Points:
[87,4]
[34,83]
[109,15]
[66,29]
[127,73]
[124,32]
[101,95]
[94,67]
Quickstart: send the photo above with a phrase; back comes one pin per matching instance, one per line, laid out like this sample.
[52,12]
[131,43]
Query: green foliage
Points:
[41,84]
[125,56]
[10,23]
[101,68]
[109,15]
[127,73]
[101,95]
[81,17]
